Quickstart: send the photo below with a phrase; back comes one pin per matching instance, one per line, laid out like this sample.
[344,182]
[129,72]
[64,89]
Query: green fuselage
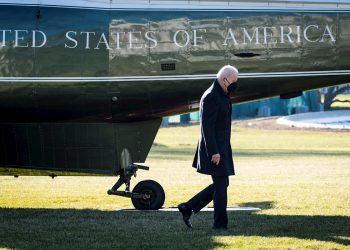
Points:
[84,89]
[70,64]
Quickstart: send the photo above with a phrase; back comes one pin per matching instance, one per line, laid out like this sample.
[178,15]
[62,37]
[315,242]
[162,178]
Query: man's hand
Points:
[215,159]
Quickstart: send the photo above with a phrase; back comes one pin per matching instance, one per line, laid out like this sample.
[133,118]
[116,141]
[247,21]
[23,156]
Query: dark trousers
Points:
[216,192]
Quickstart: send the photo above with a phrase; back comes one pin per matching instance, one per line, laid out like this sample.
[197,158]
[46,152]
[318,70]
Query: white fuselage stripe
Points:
[319,6]
[173,77]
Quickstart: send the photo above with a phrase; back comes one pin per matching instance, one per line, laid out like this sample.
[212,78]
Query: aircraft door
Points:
[285,44]
[319,41]
[343,41]
[244,44]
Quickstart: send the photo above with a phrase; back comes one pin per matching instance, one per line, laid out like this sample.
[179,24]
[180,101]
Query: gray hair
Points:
[226,71]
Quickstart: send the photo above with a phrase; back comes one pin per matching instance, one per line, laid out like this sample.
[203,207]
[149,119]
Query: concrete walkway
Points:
[206,209]
[328,119]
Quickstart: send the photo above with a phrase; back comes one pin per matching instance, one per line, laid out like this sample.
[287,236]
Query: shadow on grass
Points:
[159,145]
[263,205]
[96,229]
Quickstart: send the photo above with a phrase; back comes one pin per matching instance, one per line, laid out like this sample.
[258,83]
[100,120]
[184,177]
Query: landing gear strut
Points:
[146,195]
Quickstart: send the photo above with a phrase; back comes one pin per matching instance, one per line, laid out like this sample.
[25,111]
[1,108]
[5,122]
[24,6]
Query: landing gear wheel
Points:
[153,195]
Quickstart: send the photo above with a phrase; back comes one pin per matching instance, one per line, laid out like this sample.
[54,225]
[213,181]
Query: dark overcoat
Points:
[215,124]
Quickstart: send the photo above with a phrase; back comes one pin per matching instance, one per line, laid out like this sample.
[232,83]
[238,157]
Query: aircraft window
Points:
[167,66]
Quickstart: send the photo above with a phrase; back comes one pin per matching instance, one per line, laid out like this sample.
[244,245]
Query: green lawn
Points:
[300,180]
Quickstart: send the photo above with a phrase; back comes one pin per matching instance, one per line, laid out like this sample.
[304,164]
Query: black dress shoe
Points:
[186,214]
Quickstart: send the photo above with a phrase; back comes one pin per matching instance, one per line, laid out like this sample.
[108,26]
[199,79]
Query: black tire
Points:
[152,188]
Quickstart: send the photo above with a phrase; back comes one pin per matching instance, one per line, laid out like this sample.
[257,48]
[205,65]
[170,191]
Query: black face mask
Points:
[232,88]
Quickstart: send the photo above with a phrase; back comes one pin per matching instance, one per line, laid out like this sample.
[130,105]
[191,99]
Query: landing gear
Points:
[146,195]
[153,194]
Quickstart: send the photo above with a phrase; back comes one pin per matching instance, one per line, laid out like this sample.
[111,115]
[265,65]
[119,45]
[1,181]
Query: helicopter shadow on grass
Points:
[27,228]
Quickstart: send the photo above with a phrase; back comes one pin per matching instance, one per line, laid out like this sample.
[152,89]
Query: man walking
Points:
[214,154]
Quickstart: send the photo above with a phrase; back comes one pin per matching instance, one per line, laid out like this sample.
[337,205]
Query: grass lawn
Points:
[300,180]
